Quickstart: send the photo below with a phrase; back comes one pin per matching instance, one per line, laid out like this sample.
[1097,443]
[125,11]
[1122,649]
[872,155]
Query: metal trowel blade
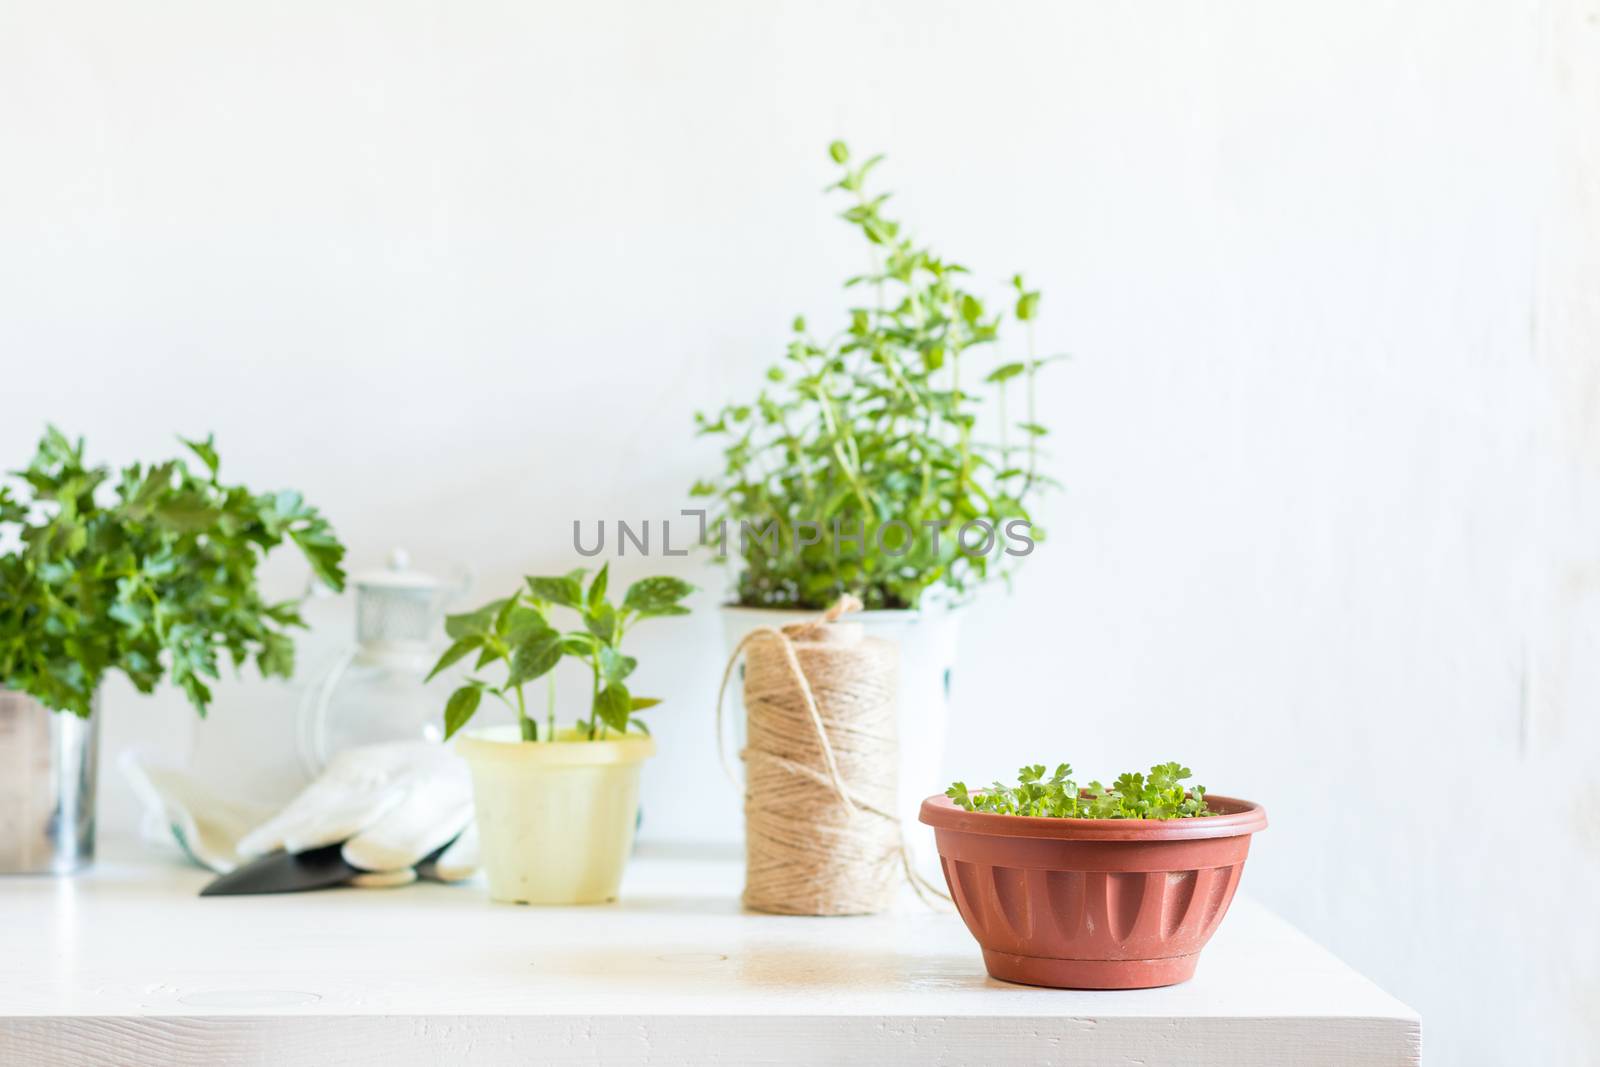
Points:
[284,872]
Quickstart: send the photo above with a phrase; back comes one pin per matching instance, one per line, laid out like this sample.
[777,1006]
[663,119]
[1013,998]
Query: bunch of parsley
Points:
[518,633]
[152,573]
[1157,795]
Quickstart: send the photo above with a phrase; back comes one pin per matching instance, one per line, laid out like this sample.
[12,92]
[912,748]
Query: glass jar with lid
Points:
[375,690]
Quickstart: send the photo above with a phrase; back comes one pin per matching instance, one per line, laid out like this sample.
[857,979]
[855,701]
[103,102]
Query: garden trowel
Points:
[285,872]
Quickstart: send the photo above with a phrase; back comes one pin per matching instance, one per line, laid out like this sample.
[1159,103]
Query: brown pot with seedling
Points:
[1092,888]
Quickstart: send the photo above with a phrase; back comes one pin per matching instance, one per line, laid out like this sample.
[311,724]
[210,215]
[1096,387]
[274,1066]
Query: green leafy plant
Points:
[517,632]
[151,573]
[863,460]
[1157,795]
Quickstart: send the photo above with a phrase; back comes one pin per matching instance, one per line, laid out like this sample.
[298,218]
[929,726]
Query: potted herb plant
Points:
[894,459]
[1093,888]
[556,806]
[151,573]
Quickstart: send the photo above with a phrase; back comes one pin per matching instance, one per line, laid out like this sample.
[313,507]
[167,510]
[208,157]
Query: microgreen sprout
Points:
[1160,794]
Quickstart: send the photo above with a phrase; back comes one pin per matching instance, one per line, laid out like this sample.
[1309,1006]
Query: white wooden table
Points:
[125,964]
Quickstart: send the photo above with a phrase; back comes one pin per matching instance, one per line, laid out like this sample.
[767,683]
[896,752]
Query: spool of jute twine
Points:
[821,835]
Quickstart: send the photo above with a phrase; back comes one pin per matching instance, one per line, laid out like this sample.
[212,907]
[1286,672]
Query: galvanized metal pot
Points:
[48,767]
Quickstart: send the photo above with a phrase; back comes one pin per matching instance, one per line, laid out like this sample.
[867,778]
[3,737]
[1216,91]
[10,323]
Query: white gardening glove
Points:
[391,804]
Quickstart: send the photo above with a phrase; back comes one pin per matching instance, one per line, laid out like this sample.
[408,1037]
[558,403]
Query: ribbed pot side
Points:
[1092,904]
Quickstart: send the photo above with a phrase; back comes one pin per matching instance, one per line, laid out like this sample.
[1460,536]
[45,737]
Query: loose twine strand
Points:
[821,836]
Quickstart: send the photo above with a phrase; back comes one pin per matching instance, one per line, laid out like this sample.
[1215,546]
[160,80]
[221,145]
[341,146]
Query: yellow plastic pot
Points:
[555,819]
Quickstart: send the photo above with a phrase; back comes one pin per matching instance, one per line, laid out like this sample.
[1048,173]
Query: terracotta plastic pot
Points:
[1092,903]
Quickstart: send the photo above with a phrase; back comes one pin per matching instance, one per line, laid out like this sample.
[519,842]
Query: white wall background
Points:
[1330,272]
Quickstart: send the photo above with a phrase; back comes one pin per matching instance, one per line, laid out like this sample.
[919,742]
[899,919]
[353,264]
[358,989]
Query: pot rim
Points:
[504,744]
[1239,818]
